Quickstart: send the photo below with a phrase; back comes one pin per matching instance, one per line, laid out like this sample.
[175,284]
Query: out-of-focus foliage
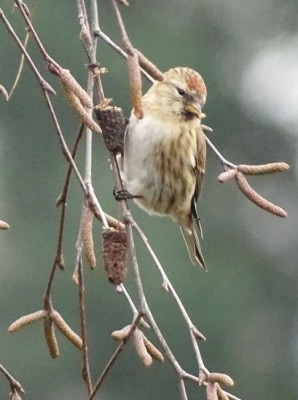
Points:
[246,304]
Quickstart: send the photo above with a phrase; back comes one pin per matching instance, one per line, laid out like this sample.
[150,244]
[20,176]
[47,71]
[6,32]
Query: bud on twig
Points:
[115,254]
[87,236]
[256,198]
[26,9]
[4,225]
[165,286]
[4,92]
[197,333]
[135,83]
[202,377]
[26,320]
[206,128]
[113,123]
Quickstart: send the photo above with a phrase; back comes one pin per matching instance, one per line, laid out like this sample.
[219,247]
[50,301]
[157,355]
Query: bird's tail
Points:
[193,245]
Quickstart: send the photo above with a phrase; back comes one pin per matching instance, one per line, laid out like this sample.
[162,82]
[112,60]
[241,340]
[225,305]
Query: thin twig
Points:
[40,46]
[120,23]
[218,154]
[120,51]
[86,367]
[63,196]
[115,356]
[21,66]
[44,84]
[182,389]
[14,384]
[174,294]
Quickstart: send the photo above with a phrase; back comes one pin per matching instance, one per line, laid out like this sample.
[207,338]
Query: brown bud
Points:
[75,277]
[68,80]
[47,87]
[135,79]
[206,128]
[87,236]
[26,320]
[115,254]
[4,92]
[138,341]
[60,200]
[256,198]
[202,377]
[26,9]
[51,337]
[223,379]
[227,175]
[152,350]
[66,329]
[113,123]
[4,225]
[263,169]
[197,333]
[77,107]
[60,262]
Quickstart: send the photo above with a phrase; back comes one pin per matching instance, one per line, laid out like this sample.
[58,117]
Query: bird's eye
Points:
[181,91]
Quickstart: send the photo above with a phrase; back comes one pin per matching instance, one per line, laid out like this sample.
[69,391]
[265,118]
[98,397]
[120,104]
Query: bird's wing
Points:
[200,158]
[199,171]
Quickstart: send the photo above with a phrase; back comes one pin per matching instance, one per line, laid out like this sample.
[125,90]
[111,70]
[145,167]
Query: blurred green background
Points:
[246,305]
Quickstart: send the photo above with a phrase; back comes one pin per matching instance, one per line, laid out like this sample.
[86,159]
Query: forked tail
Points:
[193,245]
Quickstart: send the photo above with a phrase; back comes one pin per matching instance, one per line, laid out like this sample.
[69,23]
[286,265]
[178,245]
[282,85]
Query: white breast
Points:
[141,138]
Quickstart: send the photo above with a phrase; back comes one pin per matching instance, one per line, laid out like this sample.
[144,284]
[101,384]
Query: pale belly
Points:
[159,171]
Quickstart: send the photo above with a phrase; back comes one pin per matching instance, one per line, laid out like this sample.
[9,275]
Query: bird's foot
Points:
[123,194]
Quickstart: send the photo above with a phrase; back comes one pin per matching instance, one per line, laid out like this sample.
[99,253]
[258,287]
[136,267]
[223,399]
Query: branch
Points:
[237,173]
[114,357]
[14,384]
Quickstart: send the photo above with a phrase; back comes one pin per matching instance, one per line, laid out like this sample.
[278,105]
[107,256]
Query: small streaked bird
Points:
[165,153]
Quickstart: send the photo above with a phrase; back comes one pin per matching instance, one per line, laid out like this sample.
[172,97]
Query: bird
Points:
[164,153]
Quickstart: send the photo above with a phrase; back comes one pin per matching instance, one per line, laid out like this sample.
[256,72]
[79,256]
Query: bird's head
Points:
[181,94]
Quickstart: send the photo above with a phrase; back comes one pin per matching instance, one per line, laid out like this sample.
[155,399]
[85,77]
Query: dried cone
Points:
[115,254]
[113,123]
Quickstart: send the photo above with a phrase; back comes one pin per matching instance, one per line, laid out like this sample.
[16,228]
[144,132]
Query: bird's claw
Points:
[123,194]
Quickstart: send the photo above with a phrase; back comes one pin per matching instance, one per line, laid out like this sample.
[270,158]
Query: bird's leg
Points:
[123,194]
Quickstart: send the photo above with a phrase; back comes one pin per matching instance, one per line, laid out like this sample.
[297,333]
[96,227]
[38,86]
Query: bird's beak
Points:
[195,109]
